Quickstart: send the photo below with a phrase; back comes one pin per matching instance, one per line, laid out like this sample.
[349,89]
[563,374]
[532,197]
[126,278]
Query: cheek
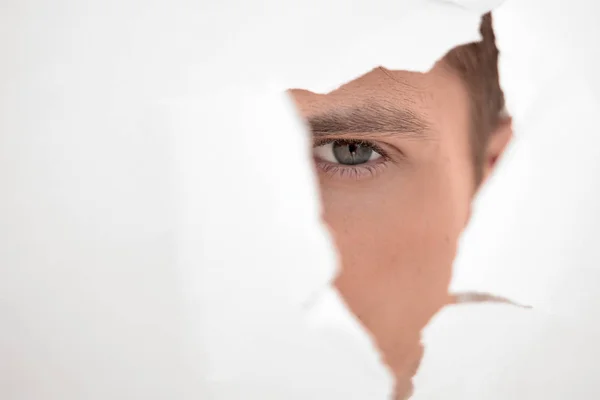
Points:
[397,240]
[393,239]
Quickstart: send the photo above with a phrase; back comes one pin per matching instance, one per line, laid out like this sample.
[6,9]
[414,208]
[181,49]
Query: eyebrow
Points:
[369,119]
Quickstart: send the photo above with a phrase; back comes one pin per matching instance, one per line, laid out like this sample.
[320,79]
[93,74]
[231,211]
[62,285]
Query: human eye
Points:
[349,158]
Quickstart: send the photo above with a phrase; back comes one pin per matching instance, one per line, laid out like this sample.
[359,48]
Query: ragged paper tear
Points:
[532,234]
[256,260]
[319,46]
[542,193]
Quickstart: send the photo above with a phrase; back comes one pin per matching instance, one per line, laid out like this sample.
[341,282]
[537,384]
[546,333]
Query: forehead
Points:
[438,96]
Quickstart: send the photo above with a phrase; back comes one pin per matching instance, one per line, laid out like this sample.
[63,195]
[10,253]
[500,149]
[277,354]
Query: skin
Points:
[396,219]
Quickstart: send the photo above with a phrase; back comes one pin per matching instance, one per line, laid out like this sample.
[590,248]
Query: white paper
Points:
[146,253]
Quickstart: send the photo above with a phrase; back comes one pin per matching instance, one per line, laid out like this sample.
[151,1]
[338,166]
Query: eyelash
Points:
[356,172]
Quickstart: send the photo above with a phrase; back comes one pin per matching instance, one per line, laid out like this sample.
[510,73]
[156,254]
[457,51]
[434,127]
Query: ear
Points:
[497,142]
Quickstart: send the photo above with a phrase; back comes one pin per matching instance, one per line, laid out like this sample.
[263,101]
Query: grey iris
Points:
[349,153]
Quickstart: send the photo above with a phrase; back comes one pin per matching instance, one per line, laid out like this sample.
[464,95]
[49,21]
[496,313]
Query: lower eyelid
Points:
[354,172]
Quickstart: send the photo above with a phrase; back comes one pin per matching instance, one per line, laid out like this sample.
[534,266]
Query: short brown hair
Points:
[477,65]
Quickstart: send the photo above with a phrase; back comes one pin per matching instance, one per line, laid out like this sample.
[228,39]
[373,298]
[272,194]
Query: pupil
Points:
[351,153]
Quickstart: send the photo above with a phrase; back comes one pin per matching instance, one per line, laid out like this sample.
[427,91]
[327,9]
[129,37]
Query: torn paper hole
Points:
[128,274]
[95,266]
[126,199]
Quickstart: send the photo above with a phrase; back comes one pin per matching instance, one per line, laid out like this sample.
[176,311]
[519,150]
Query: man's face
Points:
[394,162]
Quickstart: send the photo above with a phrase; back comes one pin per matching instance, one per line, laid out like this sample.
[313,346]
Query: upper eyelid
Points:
[371,143]
[390,151]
